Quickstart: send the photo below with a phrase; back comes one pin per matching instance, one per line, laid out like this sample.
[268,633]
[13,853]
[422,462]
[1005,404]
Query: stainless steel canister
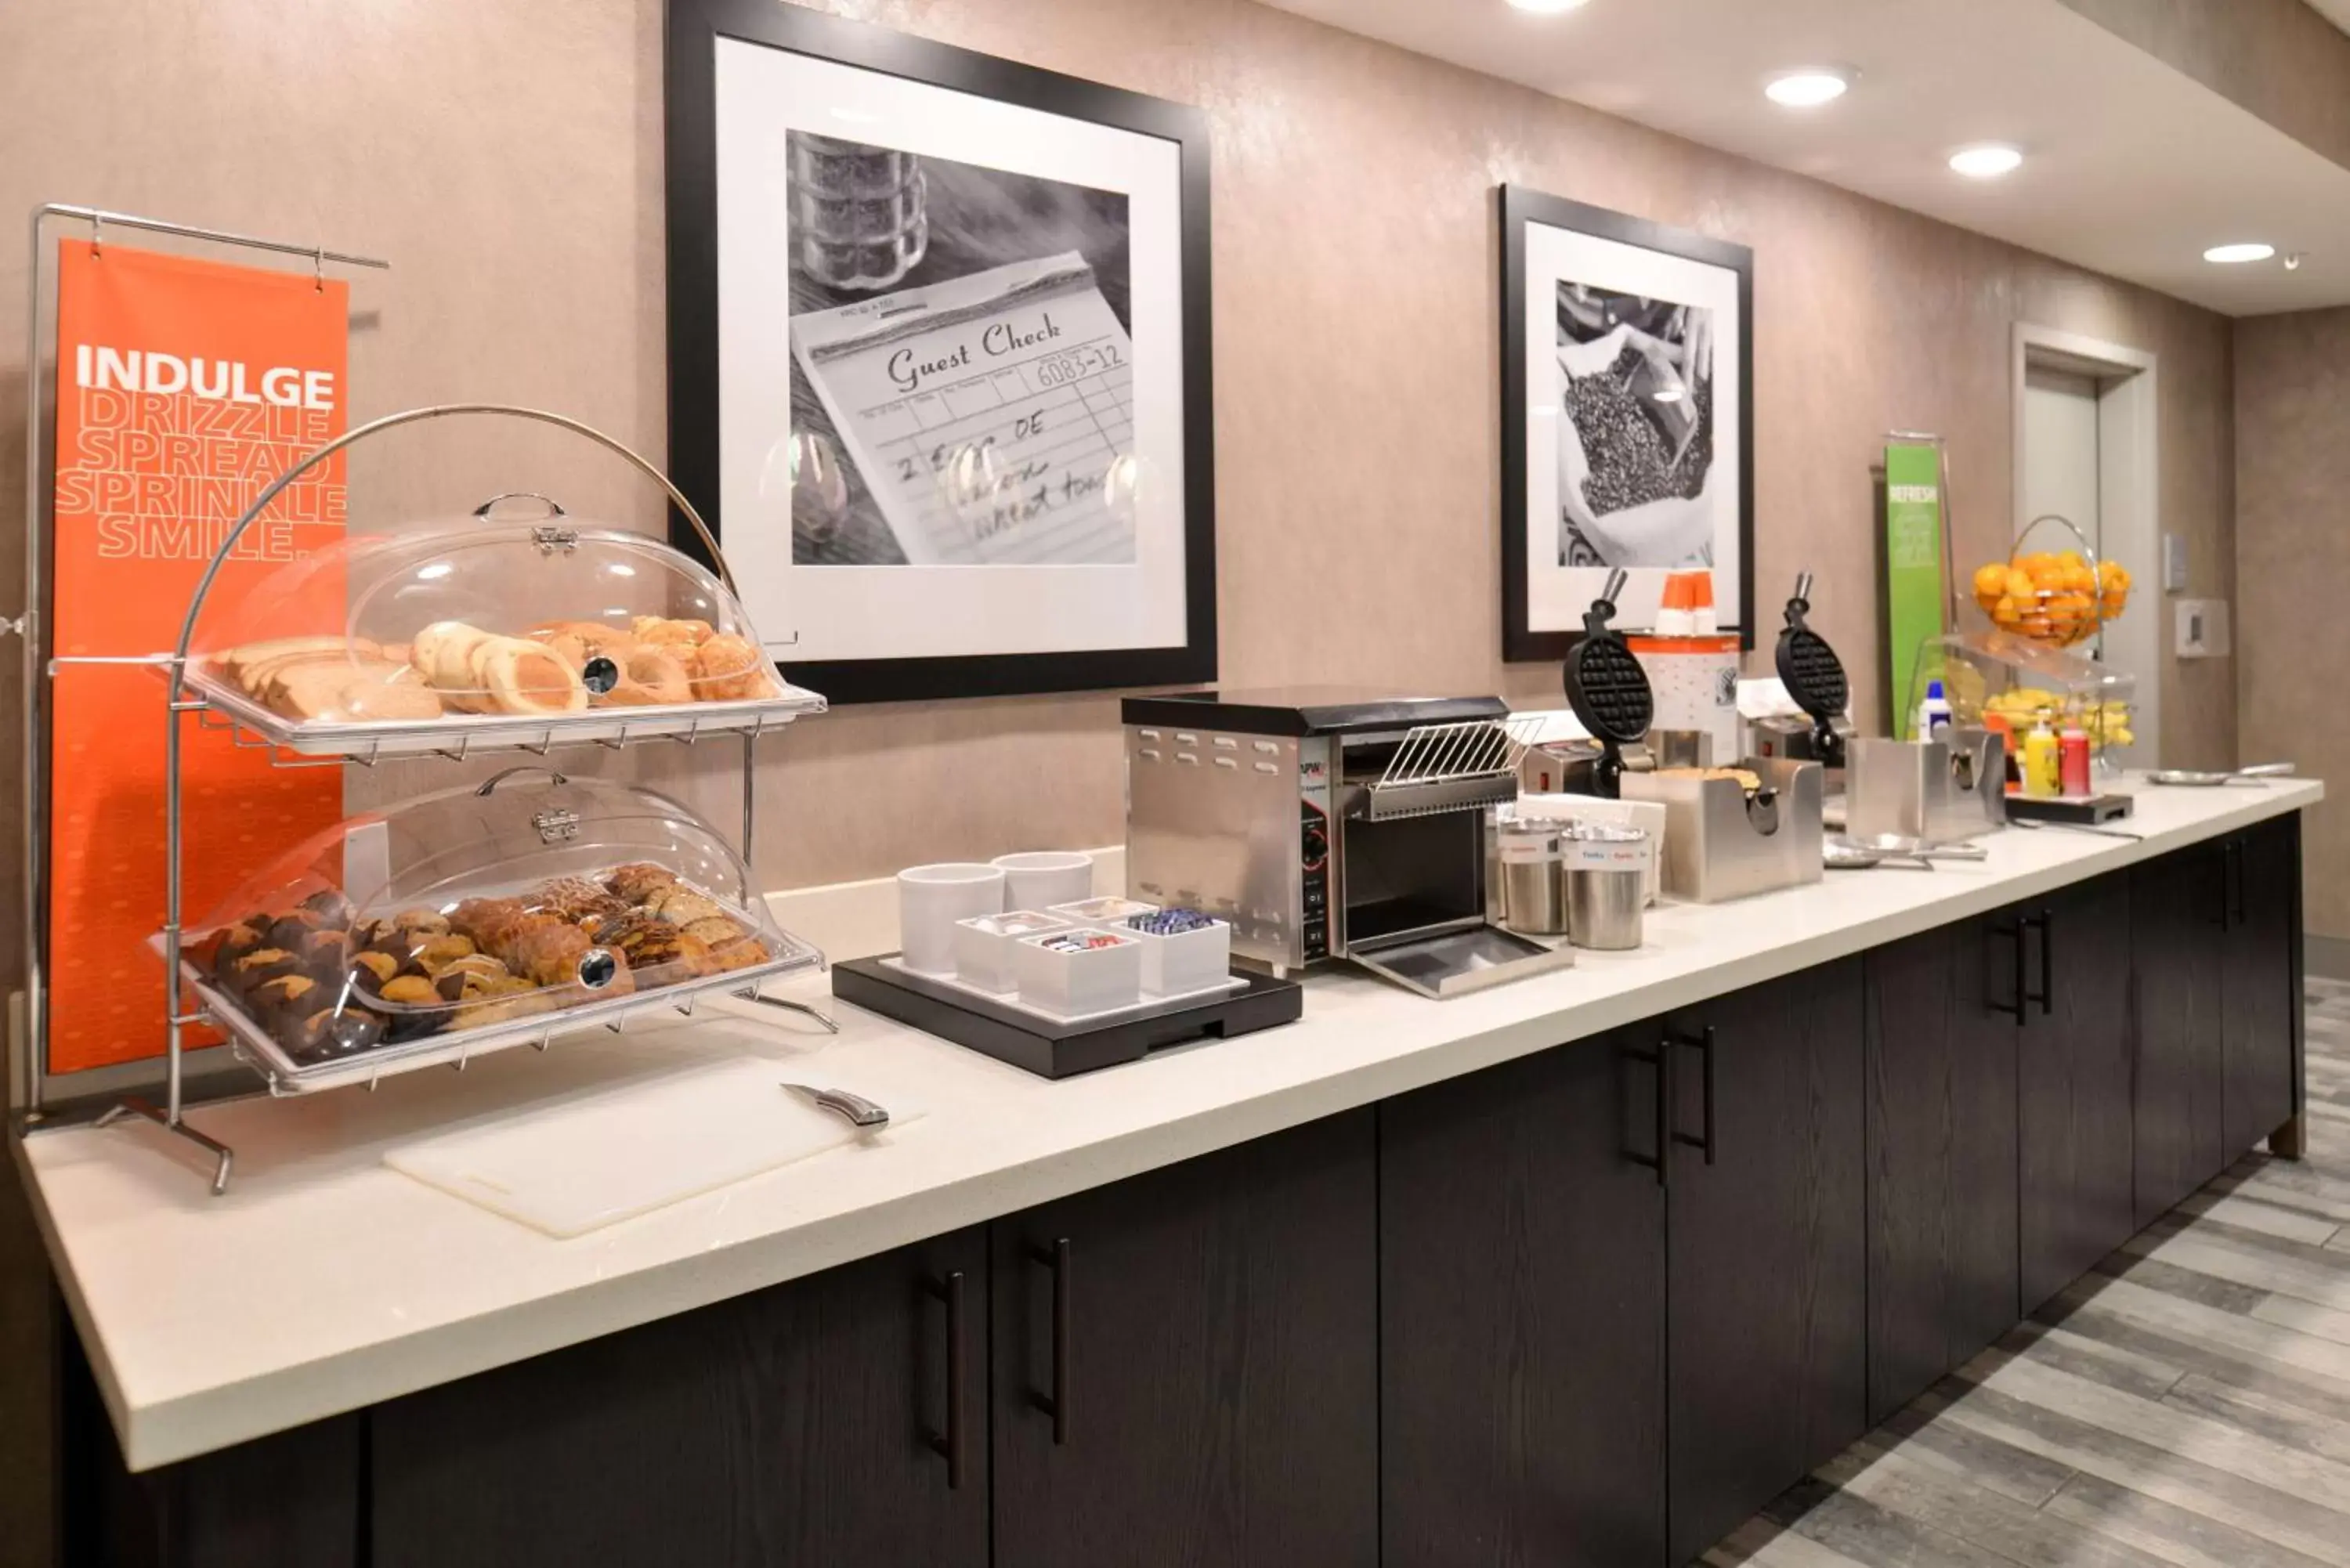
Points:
[1532,894]
[1606,870]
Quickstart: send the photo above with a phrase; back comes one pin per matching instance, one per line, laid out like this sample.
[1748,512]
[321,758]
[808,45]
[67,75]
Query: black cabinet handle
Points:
[2047,922]
[949,1445]
[1661,1059]
[1704,1043]
[2014,930]
[1056,1404]
[2232,912]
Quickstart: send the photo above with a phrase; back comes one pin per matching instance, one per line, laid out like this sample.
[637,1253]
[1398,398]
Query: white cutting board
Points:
[577,1167]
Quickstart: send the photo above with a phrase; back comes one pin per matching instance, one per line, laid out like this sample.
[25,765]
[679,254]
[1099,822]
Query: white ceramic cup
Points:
[931,899]
[1041,878]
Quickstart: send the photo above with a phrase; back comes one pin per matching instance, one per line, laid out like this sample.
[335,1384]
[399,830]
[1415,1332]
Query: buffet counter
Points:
[325,1281]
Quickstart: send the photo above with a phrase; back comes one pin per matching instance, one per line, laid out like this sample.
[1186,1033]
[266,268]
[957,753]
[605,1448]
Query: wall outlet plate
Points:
[2201,628]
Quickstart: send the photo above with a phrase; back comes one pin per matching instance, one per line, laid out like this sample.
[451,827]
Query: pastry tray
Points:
[462,735]
[1057,1047]
[261,1050]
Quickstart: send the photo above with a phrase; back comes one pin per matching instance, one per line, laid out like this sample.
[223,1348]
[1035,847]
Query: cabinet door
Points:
[1186,1364]
[2074,1094]
[790,1427]
[1941,1153]
[1521,1320]
[1767,1249]
[2175,956]
[2262,942]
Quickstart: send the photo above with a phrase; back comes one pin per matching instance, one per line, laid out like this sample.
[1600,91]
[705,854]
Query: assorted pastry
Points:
[452,667]
[326,983]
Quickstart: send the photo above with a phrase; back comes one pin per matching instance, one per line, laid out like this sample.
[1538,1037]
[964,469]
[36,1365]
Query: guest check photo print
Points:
[940,341]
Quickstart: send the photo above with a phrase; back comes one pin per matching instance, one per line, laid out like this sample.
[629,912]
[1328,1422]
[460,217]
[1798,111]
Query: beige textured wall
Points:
[506,157]
[2293,553]
[2278,58]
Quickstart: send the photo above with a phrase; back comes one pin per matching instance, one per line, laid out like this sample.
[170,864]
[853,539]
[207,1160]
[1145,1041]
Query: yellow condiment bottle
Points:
[2043,760]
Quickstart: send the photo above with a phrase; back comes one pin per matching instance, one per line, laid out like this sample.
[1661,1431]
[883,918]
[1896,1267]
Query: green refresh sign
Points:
[1914,596]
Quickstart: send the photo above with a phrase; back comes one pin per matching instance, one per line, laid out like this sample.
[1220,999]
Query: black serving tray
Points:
[1056,1049]
[2084,809]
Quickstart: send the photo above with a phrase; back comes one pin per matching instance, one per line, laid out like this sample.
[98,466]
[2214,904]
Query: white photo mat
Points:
[1557,596]
[834,612]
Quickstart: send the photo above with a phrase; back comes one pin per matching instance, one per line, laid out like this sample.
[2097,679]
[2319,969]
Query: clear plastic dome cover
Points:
[2021,681]
[540,620]
[476,908]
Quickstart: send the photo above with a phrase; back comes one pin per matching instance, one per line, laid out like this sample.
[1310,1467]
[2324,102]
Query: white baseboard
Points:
[857,919]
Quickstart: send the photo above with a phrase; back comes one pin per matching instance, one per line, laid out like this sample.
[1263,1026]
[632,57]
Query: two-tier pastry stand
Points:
[290,743]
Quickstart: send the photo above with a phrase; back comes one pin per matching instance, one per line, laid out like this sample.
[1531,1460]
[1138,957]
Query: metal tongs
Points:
[1845,853]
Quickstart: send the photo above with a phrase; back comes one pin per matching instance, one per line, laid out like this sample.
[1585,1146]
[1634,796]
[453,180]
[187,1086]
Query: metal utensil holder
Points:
[362,745]
[1721,843]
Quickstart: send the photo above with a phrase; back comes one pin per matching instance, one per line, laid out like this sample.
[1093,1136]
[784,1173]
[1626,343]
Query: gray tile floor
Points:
[2186,1404]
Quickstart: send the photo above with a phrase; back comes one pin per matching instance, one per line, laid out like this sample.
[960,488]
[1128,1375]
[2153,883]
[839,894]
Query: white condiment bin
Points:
[1185,962]
[984,944]
[1107,910]
[1091,980]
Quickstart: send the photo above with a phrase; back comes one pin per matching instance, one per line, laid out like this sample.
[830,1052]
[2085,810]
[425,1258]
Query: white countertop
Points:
[325,1281]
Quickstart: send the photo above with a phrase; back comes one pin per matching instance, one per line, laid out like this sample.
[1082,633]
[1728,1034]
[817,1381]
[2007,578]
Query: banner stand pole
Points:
[28,1059]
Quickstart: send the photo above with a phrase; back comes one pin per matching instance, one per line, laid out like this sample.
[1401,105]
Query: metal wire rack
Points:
[193,691]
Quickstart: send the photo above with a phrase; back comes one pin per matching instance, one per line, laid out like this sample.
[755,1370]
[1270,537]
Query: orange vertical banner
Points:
[183,388]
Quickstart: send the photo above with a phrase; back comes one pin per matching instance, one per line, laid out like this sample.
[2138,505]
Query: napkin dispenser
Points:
[1940,791]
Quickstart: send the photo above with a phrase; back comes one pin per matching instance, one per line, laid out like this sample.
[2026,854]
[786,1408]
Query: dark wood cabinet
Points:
[2177,908]
[291,1499]
[2261,1050]
[1186,1364]
[1942,1028]
[790,1427]
[1767,1246]
[1522,1290]
[1595,1306]
[2075,1087]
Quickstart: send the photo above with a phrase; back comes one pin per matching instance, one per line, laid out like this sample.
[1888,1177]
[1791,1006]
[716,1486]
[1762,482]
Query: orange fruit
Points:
[1991,580]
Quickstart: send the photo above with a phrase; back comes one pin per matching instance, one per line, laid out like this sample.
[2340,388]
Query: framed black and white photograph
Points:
[1627,418]
[938,358]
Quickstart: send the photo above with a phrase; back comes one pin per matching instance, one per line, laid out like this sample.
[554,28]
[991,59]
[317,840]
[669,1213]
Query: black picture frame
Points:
[693,27]
[1521,207]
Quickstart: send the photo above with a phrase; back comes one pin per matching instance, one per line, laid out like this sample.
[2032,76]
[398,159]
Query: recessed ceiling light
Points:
[1546,7]
[1810,87]
[1987,162]
[2252,250]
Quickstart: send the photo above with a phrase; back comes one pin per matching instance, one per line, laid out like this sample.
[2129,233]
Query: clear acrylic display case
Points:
[492,630]
[474,919]
[1997,674]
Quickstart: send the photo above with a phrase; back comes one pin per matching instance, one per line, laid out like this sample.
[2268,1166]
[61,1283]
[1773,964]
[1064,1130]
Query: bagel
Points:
[673,634]
[443,654]
[519,676]
[649,677]
[581,640]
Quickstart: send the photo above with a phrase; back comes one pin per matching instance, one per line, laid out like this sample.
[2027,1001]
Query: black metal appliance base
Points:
[2089,809]
[1054,1050]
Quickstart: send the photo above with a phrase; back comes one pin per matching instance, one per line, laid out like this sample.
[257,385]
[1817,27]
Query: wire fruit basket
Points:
[2063,597]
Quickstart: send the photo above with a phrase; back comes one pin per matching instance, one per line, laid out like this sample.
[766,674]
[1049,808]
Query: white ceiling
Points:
[2134,168]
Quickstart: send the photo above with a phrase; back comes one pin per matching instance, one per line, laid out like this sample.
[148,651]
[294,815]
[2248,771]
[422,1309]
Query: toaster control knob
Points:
[1316,843]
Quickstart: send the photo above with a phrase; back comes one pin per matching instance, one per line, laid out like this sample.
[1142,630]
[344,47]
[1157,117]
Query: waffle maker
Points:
[1608,689]
[1815,678]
